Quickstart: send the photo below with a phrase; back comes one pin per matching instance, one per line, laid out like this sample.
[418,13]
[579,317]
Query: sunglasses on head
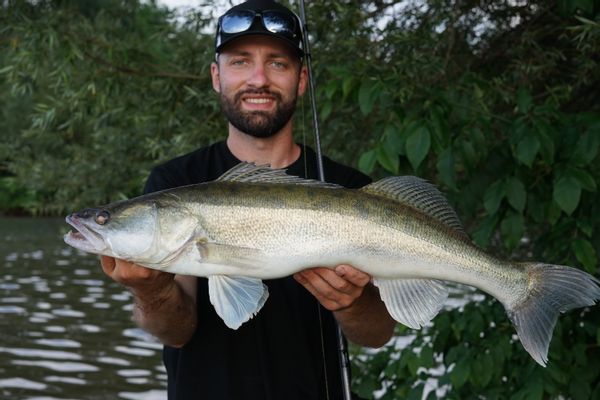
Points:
[273,21]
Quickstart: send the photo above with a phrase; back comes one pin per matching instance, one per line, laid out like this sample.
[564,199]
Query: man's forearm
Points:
[170,314]
[366,322]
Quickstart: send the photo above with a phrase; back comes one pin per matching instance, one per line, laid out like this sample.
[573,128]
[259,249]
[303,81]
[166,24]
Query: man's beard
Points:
[260,124]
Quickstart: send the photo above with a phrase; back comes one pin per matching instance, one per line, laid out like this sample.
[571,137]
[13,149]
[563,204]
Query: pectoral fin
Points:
[412,302]
[217,253]
[236,299]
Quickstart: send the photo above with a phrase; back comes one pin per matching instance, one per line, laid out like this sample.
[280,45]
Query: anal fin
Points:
[412,302]
[236,298]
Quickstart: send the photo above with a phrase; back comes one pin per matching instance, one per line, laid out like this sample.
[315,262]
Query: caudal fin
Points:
[552,289]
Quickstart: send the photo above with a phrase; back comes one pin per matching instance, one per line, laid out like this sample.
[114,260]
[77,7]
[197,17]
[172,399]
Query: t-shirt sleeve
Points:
[345,176]
[157,180]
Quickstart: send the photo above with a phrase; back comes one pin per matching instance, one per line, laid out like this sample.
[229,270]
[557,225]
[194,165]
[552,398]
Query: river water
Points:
[65,328]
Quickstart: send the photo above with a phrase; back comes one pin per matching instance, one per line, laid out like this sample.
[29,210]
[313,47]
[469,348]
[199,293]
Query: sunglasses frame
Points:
[290,33]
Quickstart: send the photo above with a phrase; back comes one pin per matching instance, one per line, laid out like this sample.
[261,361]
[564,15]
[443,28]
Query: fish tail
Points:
[552,289]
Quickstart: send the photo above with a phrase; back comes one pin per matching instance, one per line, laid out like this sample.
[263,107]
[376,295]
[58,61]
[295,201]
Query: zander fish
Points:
[257,223]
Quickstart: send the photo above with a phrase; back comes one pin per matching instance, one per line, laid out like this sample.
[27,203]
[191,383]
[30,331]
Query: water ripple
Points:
[135,351]
[149,395]
[67,312]
[54,354]
[12,310]
[21,383]
[65,379]
[59,343]
[114,361]
[58,366]
[65,329]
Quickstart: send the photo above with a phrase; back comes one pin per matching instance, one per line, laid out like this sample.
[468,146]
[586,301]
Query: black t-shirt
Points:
[280,354]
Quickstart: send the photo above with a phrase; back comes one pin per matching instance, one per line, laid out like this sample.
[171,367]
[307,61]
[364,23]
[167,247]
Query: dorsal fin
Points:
[419,194]
[252,173]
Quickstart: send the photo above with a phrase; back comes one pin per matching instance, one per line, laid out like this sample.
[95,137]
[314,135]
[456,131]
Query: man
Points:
[288,350]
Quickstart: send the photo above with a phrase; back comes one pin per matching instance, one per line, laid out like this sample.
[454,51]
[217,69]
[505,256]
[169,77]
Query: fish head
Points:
[125,230]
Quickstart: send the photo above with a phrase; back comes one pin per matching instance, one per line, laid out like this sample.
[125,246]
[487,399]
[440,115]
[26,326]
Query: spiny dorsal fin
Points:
[417,193]
[252,173]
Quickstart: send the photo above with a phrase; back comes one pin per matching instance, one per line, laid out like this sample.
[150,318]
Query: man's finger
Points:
[330,283]
[108,264]
[307,280]
[355,276]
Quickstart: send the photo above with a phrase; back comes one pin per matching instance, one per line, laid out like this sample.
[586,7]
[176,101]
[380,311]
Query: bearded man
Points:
[288,350]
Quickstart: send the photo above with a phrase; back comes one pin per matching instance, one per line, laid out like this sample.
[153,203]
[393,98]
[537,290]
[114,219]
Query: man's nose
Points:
[258,76]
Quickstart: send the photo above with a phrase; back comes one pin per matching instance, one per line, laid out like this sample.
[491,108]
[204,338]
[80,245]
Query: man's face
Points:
[259,79]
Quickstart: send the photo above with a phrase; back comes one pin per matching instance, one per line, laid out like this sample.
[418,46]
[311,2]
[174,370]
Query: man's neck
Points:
[278,151]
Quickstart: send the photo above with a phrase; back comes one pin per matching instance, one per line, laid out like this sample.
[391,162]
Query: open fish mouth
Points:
[82,237]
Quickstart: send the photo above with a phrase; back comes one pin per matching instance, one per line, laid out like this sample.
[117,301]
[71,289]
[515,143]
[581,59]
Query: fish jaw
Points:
[83,238]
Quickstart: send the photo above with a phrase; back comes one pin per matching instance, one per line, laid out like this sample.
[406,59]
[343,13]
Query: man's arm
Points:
[164,304]
[355,302]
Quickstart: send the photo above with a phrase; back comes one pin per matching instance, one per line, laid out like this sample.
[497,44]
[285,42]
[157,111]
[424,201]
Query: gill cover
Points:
[133,232]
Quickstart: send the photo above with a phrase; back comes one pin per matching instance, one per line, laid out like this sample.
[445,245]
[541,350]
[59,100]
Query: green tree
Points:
[96,93]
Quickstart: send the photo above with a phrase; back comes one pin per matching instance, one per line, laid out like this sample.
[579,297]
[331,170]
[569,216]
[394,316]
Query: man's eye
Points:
[278,64]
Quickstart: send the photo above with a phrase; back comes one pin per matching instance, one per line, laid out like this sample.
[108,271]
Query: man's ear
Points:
[303,81]
[216,78]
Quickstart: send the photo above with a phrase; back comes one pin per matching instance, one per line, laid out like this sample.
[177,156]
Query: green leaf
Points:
[483,234]
[566,193]
[460,372]
[326,109]
[516,194]
[586,148]
[512,228]
[367,96]
[469,153]
[493,196]
[6,69]
[426,357]
[412,361]
[527,149]
[331,88]
[416,393]
[484,366]
[394,139]
[347,85]
[580,389]
[547,147]
[586,180]
[417,146]
[388,160]
[366,162]
[536,208]
[524,100]
[445,168]
[586,254]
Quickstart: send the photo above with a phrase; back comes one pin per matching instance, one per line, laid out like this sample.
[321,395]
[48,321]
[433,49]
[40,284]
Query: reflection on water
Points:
[65,329]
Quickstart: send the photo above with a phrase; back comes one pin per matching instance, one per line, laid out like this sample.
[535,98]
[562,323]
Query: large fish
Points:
[257,223]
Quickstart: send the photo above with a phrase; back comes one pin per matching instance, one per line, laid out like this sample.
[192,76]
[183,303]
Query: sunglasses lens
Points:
[236,22]
[277,22]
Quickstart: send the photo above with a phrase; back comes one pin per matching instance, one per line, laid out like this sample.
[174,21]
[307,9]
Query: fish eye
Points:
[102,217]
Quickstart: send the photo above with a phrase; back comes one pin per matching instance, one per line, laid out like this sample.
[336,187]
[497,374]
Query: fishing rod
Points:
[341,343]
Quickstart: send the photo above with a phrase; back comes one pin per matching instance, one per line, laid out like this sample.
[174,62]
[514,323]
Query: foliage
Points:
[496,102]
[96,93]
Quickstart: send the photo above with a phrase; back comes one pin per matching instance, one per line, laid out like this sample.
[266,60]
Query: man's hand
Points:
[355,302]
[165,304]
[336,288]
[140,280]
